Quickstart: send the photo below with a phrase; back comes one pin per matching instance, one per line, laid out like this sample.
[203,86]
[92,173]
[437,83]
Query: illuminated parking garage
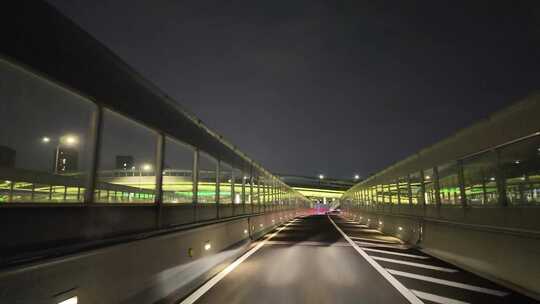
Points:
[121,196]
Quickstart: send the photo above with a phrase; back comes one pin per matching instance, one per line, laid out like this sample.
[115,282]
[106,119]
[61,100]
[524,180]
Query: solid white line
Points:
[444,269]
[396,246]
[396,253]
[436,299]
[397,285]
[448,283]
[214,280]
[373,240]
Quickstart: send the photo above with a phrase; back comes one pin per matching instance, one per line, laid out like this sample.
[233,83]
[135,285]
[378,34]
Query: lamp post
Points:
[64,141]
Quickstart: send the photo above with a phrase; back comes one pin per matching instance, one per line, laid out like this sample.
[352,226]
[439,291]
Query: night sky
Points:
[333,87]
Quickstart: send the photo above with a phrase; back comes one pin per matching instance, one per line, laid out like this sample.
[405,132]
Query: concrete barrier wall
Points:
[508,255]
[158,269]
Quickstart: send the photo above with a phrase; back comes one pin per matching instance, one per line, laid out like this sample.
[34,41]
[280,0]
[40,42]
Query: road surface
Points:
[322,259]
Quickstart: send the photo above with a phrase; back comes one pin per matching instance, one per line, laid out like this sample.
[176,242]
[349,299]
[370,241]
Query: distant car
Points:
[333,211]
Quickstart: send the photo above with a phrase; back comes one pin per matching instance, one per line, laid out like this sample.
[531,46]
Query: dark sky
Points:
[338,87]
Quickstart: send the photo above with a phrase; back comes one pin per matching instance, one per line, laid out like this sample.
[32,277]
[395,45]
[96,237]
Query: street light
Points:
[321,176]
[67,140]
[356,177]
[146,167]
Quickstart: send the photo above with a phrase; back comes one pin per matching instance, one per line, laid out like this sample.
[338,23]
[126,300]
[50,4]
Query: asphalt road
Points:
[311,261]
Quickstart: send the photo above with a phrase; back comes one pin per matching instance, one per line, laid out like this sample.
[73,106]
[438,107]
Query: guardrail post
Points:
[500,180]
[195,182]
[218,187]
[437,186]
[158,198]
[409,189]
[243,194]
[461,182]
[422,188]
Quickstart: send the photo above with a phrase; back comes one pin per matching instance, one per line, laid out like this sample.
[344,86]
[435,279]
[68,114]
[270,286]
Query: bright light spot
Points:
[517,162]
[45,139]
[245,231]
[230,180]
[360,217]
[245,177]
[369,220]
[400,228]
[260,225]
[147,167]
[125,165]
[69,140]
[72,300]
[523,178]
[207,246]
[133,168]
[380,223]
[493,178]
[428,177]
[273,221]
[356,176]
[321,176]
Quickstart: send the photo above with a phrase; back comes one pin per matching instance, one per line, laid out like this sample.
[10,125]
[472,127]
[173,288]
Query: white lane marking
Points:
[373,240]
[443,269]
[435,298]
[396,253]
[213,281]
[449,283]
[411,297]
[396,246]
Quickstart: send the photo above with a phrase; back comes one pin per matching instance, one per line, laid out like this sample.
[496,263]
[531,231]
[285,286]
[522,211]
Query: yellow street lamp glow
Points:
[207,245]
[69,140]
[147,167]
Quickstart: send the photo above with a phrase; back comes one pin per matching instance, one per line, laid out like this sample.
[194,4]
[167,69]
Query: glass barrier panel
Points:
[177,172]
[448,180]
[429,196]
[126,171]
[45,148]
[225,184]
[237,181]
[520,166]
[479,174]
[207,179]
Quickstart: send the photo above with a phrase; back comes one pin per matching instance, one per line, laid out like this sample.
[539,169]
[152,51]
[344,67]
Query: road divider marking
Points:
[435,298]
[374,240]
[218,277]
[425,266]
[448,283]
[408,255]
[409,295]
